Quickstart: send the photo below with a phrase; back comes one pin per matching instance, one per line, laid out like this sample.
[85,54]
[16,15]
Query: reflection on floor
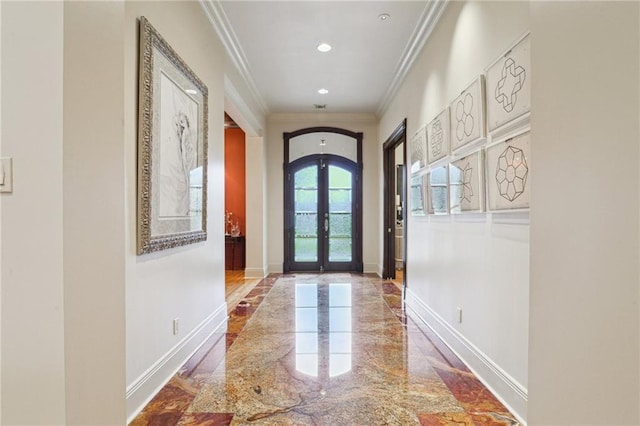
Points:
[237,287]
[398,278]
[330,349]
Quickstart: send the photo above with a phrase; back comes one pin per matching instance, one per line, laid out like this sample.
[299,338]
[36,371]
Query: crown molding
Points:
[428,21]
[220,23]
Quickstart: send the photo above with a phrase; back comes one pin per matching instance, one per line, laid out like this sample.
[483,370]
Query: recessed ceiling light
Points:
[323,91]
[191,92]
[324,47]
[384,16]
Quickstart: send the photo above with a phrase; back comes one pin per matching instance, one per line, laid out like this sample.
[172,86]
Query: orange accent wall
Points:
[234,171]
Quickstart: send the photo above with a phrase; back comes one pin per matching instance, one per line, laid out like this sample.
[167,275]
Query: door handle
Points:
[326,225]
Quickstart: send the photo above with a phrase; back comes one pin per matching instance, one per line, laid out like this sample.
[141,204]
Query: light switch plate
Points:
[6,174]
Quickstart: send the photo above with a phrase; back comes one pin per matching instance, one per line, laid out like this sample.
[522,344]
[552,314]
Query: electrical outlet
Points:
[176,326]
[459,315]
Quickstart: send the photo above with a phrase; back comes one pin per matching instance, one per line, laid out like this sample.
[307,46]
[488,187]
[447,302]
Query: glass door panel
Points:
[321,224]
[340,215]
[306,214]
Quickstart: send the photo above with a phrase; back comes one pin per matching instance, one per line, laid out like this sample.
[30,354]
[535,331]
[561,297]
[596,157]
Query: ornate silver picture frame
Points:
[172,148]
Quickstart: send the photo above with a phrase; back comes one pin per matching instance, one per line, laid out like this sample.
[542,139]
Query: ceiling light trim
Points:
[220,23]
[428,21]
[324,47]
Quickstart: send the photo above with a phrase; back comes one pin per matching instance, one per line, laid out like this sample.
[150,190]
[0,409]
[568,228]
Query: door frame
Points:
[398,136]
[288,201]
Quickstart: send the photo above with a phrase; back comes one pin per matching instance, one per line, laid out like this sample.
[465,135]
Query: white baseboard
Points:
[511,393]
[370,268]
[145,387]
[254,273]
[275,268]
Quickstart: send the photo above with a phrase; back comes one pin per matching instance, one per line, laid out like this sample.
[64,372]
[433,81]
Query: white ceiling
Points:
[273,44]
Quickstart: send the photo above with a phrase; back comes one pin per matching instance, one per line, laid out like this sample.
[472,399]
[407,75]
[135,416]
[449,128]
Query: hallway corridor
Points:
[331,349]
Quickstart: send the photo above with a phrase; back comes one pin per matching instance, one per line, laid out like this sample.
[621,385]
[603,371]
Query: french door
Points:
[323,218]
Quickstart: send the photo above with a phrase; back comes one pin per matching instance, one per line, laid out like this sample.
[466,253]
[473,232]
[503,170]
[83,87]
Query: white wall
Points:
[187,282]
[584,356]
[33,381]
[0,222]
[280,123]
[256,266]
[479,262]
[93,222]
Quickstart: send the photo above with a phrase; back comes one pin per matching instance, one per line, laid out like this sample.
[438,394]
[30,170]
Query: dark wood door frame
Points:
[398,136]
[288,201]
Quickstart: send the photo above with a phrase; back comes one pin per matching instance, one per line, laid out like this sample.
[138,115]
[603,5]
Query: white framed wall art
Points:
[508,85]
[438,191]
[508,177]
[418,147]
[416,196]
[438,132]
[466,183]
[467,115]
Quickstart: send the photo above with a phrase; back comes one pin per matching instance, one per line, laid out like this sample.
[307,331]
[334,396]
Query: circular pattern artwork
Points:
[465,120]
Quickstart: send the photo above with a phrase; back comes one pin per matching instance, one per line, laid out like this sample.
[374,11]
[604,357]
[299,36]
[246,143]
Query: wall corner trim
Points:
[220,23]
[145,387]
[511,393]
[427,22]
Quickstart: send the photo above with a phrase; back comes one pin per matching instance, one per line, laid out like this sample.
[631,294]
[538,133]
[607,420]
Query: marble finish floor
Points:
[329,349]
[237,287]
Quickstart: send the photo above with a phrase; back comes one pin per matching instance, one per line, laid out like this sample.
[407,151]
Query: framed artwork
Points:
[416,196]
[438,137]
[508,173]
[172,148]
[467,115]
[466,179]
[438,191]
[508,85]
[418,145]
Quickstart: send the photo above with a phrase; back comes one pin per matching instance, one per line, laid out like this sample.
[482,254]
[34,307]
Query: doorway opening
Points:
[236,285]
[323,200]
[395,195]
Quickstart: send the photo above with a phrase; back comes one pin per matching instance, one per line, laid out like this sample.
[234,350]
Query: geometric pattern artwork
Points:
[416,196]
[438,137]
[508,82]
[466,183]
[418,146]
[438,191]
[511,173]
[464,119]
[467,115]
[508,173]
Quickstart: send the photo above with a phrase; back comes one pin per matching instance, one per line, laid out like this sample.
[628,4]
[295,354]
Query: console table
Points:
[234,252]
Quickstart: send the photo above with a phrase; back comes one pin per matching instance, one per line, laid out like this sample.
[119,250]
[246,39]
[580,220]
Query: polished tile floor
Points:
[330,349]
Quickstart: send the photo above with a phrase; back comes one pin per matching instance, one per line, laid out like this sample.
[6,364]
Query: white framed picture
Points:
[467,115]
[416,196]
[437,181]
[508,85]
[438,144]
[466,184]
[509,173]
[418,147]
